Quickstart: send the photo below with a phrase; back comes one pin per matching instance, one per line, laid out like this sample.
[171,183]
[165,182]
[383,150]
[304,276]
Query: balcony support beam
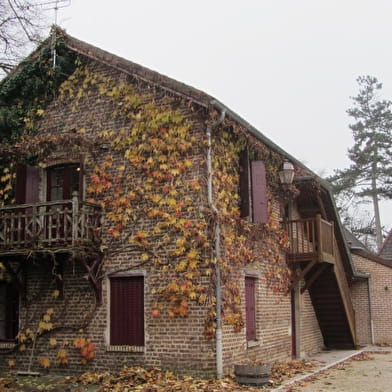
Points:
[93,268]
[303,273]
[312,279]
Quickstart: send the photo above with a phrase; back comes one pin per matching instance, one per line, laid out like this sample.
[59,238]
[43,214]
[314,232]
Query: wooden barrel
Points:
[252,374]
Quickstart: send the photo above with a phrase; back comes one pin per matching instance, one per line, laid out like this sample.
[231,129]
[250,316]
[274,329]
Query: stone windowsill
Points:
[126,349]
[7,345]
[253,343]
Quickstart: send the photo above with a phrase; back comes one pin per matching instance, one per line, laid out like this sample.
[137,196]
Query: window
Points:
[9,312]
[62,181]
[127,310]
[250,306]
[253,189]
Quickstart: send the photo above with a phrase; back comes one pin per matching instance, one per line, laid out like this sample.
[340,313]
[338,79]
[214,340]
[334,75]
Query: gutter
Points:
[369,279]
[218,251]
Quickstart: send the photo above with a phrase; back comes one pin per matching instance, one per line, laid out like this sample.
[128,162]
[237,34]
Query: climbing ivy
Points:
[145,175]
[24,94]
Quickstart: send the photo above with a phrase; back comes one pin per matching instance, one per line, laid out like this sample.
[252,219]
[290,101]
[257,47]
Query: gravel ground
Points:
[368,372]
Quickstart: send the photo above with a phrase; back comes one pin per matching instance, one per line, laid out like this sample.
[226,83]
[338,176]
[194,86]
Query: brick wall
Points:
[178,343]
[311,337]
[381,301]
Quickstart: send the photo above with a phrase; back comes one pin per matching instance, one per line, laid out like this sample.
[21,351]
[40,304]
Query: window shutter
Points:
[127,311]
[27,184]
[259,192]
[32,184]
[250,304]
[20,187]
[244,184]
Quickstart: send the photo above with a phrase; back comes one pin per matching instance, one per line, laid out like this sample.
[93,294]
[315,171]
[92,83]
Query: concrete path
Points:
[328,359]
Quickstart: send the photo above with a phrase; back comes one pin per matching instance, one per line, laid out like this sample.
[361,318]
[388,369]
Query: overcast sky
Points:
[288,67]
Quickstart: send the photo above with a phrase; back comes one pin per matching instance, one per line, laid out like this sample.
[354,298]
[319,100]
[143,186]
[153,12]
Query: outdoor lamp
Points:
[286,175]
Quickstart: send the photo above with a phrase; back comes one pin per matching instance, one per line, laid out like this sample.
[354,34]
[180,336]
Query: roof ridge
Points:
[136,70]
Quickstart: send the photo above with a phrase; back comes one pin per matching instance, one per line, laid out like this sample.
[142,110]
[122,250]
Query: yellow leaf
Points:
[22,347]
[192,254]
[145,256]
[22,337]
[55,294]
[181,266]
[53,342]
[187,163]
[192,295]
[40,112]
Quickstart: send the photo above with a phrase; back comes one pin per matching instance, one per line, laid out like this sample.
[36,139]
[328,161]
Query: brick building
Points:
[143,209]
[371,294]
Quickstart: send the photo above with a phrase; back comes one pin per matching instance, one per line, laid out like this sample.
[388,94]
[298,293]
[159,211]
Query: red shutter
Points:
[20,187]
[127,311]
[27,184]
[244,183]
[32,184]
[250,304]
[259,192]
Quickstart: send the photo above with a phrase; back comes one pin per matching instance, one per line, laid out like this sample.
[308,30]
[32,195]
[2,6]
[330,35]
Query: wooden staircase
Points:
[333,309]
[314,251]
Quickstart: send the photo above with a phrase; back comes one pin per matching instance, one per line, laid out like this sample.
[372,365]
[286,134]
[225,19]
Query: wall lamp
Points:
[286,175]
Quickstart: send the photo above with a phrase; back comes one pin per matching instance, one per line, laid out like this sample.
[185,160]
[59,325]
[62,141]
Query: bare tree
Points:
[21,24]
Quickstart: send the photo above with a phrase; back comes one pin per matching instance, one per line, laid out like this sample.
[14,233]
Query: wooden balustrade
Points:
[310,239]
[49,225]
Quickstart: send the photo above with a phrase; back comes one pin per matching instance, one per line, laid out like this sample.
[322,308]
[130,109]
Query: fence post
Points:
[319,237]
[75,216]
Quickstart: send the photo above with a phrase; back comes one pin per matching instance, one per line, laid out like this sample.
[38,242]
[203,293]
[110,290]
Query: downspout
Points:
[370,309]
[218,293]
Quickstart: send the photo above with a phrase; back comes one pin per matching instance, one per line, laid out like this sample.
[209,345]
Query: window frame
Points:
[118,345]
[67,171]
[11,304]
[252,189]
[250,292]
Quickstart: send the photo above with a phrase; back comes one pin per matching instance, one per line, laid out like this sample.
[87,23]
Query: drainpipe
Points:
[218,293]
[370,309]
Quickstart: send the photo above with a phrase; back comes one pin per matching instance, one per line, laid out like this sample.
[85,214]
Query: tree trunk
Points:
[376,208]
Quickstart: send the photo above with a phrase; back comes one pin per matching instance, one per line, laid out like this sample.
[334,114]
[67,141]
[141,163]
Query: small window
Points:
[250,306]
[253,189]
[127,311]
[9,312]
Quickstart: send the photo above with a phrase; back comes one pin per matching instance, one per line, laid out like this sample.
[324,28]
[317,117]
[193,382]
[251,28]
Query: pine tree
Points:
[370,174]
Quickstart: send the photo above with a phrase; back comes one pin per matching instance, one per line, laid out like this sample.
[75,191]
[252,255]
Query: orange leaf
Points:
[44,362]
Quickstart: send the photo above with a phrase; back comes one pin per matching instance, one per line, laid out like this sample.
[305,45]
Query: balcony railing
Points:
[311,239]
[49,225]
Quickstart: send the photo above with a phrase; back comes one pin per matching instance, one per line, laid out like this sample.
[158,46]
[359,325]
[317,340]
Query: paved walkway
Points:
[330,358]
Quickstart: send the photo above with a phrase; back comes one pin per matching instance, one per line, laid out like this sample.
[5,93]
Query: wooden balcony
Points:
[53,225]
[311,239]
